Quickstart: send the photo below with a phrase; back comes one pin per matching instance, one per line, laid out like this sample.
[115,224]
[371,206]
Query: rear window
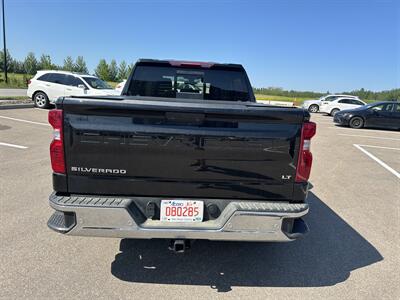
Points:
[45,77]
[175,82]
[54,78]
[346,101]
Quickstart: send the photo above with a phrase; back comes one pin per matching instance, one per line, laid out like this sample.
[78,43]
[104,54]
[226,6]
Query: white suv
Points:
[332,107]
[314,105]
[47,86]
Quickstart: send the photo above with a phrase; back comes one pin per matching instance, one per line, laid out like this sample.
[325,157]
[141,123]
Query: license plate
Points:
[181,211]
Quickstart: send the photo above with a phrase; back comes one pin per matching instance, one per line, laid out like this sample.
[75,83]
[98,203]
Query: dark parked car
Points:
[375,115]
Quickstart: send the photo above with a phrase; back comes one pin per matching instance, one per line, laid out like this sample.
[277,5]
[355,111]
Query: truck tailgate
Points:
[171,148]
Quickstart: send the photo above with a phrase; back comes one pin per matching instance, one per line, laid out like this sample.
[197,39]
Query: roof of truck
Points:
[186,63]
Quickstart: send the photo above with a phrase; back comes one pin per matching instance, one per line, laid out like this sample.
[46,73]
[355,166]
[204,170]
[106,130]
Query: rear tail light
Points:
[57,145]
[305,157]
[29,81]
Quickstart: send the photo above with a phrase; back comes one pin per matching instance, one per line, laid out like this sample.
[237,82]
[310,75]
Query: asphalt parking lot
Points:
[352,251]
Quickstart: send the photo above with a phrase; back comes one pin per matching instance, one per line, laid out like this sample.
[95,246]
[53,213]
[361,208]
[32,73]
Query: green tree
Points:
[277,91]
[68,64]
[45,62]
[393,94]
[31,64]
[113,71]
[130,68]
[10,61]
[102,70]
[80,65]
[122,71]
[18,66]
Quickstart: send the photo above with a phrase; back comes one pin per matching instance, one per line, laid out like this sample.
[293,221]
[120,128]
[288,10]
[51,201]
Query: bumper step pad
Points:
[61,221]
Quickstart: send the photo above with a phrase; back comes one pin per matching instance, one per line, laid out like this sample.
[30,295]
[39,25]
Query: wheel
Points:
[313,108]
[356,122]
[334,111]
[41,100]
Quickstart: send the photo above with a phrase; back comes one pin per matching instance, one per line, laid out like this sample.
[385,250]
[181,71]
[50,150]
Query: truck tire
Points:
[314,108]
[334,111]
[356,122]
[41,100]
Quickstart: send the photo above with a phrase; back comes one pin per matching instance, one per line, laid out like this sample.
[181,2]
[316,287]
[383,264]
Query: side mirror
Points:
[82,86]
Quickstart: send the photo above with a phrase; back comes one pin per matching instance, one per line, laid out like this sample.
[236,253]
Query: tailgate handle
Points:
[185,118]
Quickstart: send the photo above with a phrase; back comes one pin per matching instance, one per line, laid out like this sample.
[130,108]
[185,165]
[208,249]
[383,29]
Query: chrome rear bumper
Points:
[117,217]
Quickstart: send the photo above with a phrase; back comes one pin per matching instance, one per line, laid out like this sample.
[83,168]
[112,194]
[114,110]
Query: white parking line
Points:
[369,136]
[358,130]
[379,147]
[391,170]
[13,145]
[25,121]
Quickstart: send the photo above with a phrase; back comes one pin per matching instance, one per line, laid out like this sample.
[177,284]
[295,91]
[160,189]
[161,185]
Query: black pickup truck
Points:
[184,153]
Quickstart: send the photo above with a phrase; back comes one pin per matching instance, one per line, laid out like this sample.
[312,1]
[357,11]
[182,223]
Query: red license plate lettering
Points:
[181,210]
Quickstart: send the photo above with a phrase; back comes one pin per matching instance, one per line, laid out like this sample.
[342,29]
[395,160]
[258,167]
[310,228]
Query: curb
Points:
[16,106]
[277,103]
